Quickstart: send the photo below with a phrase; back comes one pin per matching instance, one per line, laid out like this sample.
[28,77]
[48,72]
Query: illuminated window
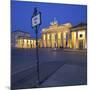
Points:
[81,35]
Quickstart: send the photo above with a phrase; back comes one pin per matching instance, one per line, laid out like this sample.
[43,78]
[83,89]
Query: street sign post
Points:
[36,21]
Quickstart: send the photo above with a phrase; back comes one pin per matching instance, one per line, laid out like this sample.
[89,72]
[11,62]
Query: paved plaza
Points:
[58,67]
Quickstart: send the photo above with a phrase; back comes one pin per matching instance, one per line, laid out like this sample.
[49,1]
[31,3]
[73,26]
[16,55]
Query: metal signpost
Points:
[36,21]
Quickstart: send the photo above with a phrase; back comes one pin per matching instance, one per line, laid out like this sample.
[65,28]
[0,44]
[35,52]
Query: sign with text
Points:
[36,20]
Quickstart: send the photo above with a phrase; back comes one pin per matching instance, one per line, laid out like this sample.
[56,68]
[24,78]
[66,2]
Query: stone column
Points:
[51,40]
[57,38]
[77,43]
[42,40]
[85,38]
[68,41]
[62,39]
[27,43]
[45,40]
[22,43]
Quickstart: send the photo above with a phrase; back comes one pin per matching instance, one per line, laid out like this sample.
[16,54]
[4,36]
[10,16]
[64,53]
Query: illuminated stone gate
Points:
[56,35]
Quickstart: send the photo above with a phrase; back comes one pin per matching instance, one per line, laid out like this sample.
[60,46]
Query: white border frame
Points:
[5,44]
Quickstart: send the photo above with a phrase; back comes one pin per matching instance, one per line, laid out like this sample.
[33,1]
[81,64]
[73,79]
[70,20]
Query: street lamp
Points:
[36,22]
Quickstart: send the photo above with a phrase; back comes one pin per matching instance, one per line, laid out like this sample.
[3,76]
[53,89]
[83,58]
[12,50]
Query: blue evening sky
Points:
[21,13]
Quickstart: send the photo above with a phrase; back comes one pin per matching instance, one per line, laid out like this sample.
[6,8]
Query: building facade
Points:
[55,36]
[78,36]
[20,39]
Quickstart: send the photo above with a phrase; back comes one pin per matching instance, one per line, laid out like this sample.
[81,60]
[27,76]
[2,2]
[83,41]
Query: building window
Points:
[81,35]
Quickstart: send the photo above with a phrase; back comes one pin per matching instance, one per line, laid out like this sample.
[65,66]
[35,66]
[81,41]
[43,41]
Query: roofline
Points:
[83,24]
[20,31]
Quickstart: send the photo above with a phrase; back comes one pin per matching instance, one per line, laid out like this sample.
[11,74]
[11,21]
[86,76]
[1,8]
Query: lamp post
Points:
[36,22]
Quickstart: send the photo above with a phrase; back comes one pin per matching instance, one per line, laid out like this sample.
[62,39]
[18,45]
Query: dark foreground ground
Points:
[57,68]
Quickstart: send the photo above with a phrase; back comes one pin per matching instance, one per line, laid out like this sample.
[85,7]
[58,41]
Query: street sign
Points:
[36,20]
